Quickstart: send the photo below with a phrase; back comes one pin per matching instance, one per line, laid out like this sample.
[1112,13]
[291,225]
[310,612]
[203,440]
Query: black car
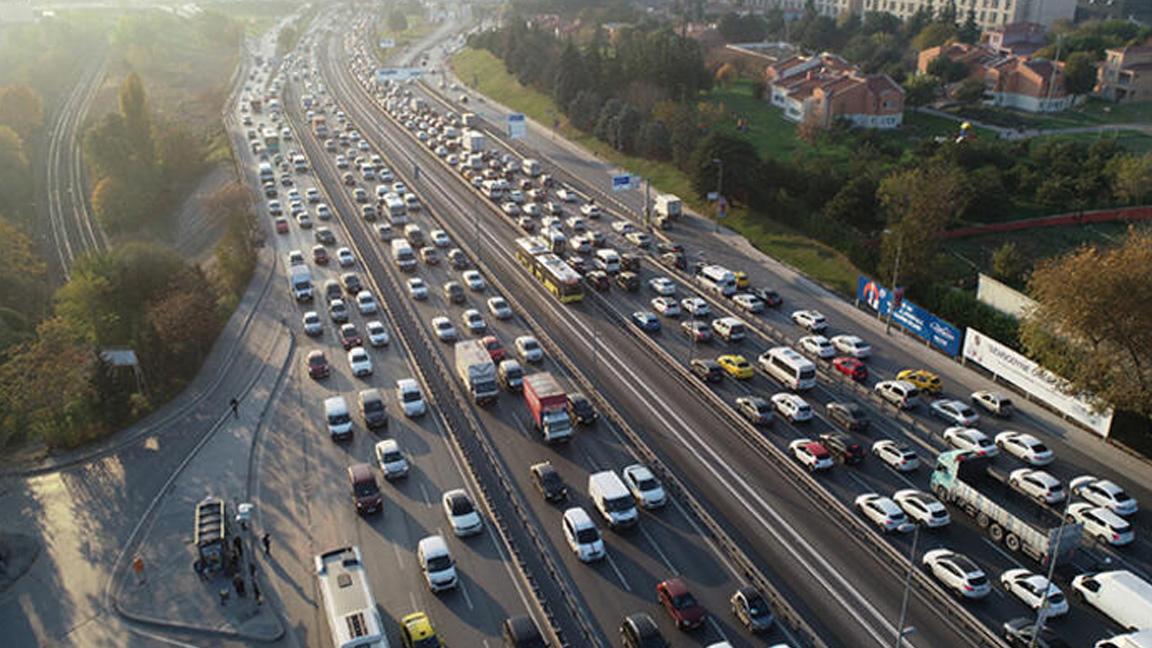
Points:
[630,262]
[325,236]
[768,296]
[457,258]
[674,259]
[454,292]
[1019,632]
[639,630]
[270,190]
[549,482]
[849,416]
[581,410]
[843,448]
[628,281]
[351,283]
[707,370]
[599,280]
[665,248]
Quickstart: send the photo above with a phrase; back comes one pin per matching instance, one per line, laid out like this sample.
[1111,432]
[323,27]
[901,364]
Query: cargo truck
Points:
[473,141]
[549,406]
[530,167]
[668,206]
[968,482]
[469,120]
[475,367]
[300,283]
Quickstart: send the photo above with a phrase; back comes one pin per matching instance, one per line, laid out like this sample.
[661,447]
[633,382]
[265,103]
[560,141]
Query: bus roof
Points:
[533,245]
[559,270]
[351,609]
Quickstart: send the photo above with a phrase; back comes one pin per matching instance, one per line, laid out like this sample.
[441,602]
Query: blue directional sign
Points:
[517,125]
[621,182]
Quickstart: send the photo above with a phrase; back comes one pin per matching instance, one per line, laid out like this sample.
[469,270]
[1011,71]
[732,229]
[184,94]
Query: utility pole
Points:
[1041,617]
[895,277]
[719,189]
[900,630]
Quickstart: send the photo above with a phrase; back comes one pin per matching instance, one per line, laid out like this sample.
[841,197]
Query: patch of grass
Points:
[1094,112]
[820,262]
[1134,141]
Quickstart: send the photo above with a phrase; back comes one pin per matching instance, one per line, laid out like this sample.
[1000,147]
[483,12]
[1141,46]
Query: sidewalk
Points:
[170,594]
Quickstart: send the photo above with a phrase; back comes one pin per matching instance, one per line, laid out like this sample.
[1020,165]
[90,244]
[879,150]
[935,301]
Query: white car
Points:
[295,258]
[1102,524]
[360,362]
[666,306]
[591,210]
[811,320]
[366,303]
[1037,484]
[662,286]
[391,459]
[639,239]
[582,535]
[312,323]
[474,280]
[439,238]
[580,244]
[437,564]
[792,407]
[377,334]
[499,308]
[577,224]
[473,321]
[345,257]
[1035,591]
[817,345]
[922,508]
[417,289]
[516,196]
[971,439]
[896,455]
[623,227]
[532,209]
[461,513]
[812,454]
[883,512]
[850,345]
[748,302]
[323,212]
[443,328]
[529,348]
[955,412]
[312,195]
[696,307]
[511,208]
[994,402]
[399,189]
[1025,447]
[644,486]
[567,195]
[1104,492]
[410,397]
[958,572]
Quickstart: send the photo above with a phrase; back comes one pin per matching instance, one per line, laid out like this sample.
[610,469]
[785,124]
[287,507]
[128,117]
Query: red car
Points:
[281,225]
[851,367]
[680,604]
[495,348]
[349,336]
[318,364]
[320,255]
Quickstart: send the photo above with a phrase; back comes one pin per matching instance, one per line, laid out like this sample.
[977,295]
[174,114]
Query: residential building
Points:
[975,57]
[1126,74]
[1033,85]
[988,13]
[1015,39]
[826,88]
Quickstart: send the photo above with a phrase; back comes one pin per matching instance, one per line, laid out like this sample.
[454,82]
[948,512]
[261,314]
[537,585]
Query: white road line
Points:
[424,494]
[1007,556]
[412,600]
[467,599]
[619,574]
[399,556]
[859,481]
[659,551]
[593,466]
[716,626]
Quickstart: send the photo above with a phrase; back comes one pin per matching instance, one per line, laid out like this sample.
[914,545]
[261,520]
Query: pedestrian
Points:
[224,594]
[256,591]
[238,546]
[267,540]
[252,570]
[235,405]
[238,585]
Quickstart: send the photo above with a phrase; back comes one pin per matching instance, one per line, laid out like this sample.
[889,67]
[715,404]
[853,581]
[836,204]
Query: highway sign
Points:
[517,125]
[621,182]
[396,75]
[387,43]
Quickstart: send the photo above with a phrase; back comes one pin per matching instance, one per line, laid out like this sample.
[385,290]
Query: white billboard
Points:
[1041,384]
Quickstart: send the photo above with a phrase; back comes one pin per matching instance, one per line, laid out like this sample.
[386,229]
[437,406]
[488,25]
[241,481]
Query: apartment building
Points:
[1126,74]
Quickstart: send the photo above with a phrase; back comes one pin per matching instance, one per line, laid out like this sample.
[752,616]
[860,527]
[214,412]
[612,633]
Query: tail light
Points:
[968,588]
[1115,537]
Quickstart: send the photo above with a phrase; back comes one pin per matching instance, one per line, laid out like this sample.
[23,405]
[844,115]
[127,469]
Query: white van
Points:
[612,499]
[900,393]
[607,260]
[436,563]
[729,329]
[337,416]
[410,398]
[1121,595]
[1141,639]
[403,255]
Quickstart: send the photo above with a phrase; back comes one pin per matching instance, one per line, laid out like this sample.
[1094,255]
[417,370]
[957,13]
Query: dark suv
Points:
[365,490]
[549,482]
[843,448]
[849,416]
[580,409]
[639,630]
[707,370]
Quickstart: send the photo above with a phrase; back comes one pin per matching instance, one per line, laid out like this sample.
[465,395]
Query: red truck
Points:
[548,403]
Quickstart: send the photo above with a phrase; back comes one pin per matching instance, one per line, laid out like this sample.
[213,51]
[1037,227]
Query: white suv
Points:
[883,512]
[582,535]
[812,454]
[644,486]
[957,572]
[792,407]
[811,320]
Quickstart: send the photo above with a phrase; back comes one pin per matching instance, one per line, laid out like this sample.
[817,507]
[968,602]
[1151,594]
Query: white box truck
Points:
[1141,639]
[530,167]
[668,206]
[474,141]
[1121,595]
[475,367]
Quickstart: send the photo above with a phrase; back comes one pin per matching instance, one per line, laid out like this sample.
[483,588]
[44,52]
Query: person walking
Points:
[238,546]
[267,540]
[238,585]
[235,405]
[256,592]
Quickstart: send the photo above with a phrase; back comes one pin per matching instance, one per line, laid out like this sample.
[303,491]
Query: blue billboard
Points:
[914,319]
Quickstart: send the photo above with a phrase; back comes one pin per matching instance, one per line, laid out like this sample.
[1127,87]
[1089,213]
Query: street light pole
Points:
[895,277]
[1040,616]
[907,587]
[719,189]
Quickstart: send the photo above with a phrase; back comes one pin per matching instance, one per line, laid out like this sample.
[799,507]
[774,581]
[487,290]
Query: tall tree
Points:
[969,32]
[1008,263]
[734,158]
[921,90]
[571,77]
[21,109]
[15,175]
[919,203]
[1130,177]
[137,119]
[1080,73]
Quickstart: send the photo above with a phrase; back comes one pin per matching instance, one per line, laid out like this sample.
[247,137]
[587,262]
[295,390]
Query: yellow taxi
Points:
[416,631]
[925,380]
[736,366]
[741,279]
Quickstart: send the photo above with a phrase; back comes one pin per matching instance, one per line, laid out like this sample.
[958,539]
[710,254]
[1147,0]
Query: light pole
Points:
[900,629]
[1041,617]
[719,188]
[895,277]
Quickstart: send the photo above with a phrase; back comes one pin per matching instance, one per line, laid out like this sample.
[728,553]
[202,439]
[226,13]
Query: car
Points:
[1025,447]
[751,609]
[360,362]
[439,238]
[749,302]
[323,212]
[1035,591]
[591,209]
[510,208]
[696,307]
[577,224]
[883,512]
[454,292]
[437,564]
[662,286]
[628,281]
[275,208]
[958,573]
[922,508]
[666,306]
[281,225]
[499,308]
[313,326]
[457,259]
[581,410]
[896,455]
[599,280]
[349,336]
[304,221]
[494,347]
[365,491]
[756,410]
[377,334]
[792,407]
[955,412]
[351,283]
[324,235]
[994,402]
[583,537]
[852,346]
[924,380]
[369,213]
[811,320]
[338,311]
[416,629]
[697,331]
[317,364]
[473,321]
[474,280]
[623,227]
[345,257]
[1101,524]
[736,366]
[639,239]
[817,345]
[359,195]
[429,255]
[645,321]
[843,448]
[639,630]
[410,397]
[529,349]
[1037,484]
[319,255]
[442,327]
[811,454]
[1104,492]
[971,439]
[644,486]
[392,461]
[417,289]
[680,604]
[768,296]
[461,513]
[854,368]
[706,369]
[548,481]
[341,162]
[1021,633]
[366,303]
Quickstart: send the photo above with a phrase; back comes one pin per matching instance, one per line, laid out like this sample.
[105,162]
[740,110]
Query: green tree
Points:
[970,91]
[921,90]
[947,70]
[15,174]
[137,120]
[1130,177]
[397,21]
[933,34]
[1080,73]
[286,40]
[919,203]
[571,77]
[117,204]
[1008,263]
[180,154]
[21,109]
[738,160]
[969,32]
[107,148]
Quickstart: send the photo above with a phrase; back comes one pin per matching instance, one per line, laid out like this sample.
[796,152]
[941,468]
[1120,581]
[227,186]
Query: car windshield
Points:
[618,504]
[684,601]
[317,361]
[411,396]
[439,563]
[460,505]
[427,642]
[392,456]
[647,484]
[978,580]
[373,406]
[587,535]
[757,606]
[366,488]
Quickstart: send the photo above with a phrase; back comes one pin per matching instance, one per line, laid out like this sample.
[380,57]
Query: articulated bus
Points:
[557,276]
[271,140]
